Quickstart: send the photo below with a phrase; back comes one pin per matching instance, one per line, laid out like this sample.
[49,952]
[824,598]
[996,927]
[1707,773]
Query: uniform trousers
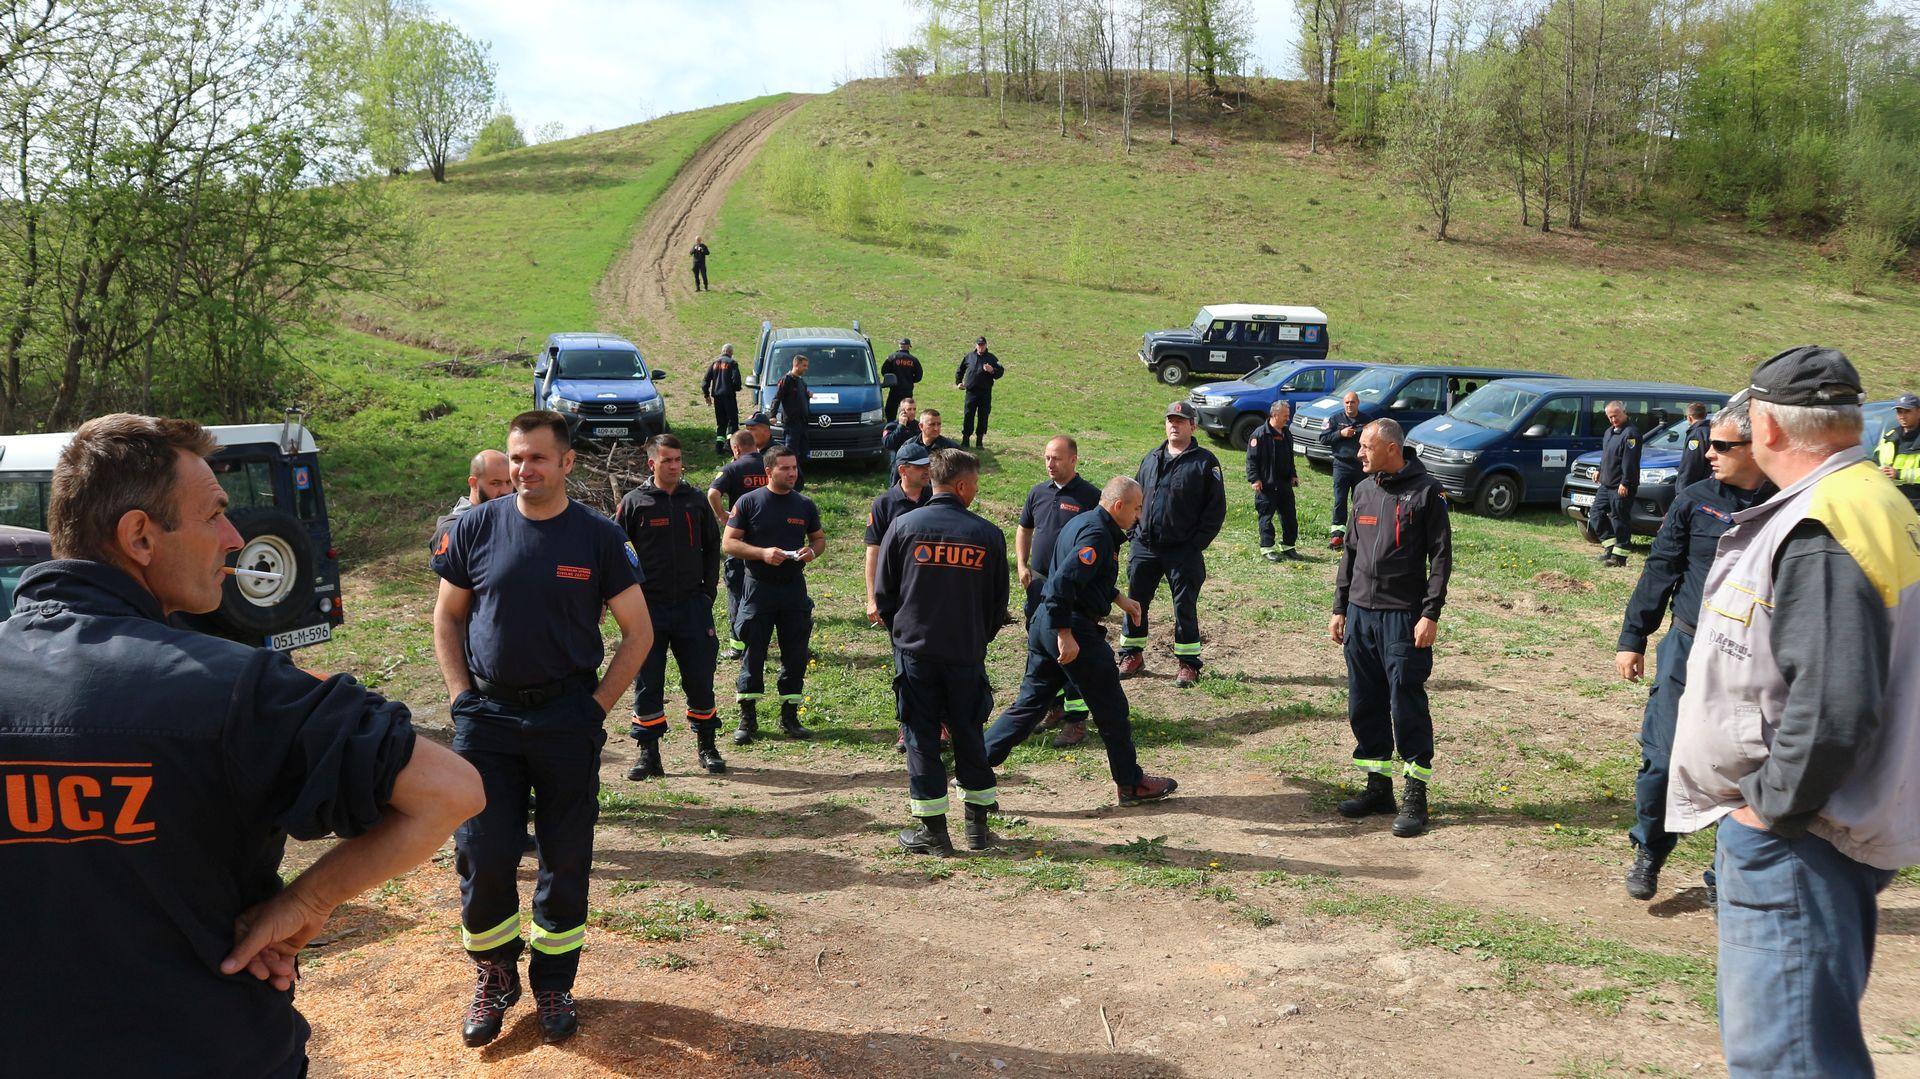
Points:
[1387,692]
[769,608]
[686,627]
[934,694]
[733,573]
[553,751]
[973,418]
[1345,479]
[896,393]
[1277,500]
[1610,519]
[1098,677]
[726,414]
[1071,700]
[699,276]
[1656,744]
[1185,570]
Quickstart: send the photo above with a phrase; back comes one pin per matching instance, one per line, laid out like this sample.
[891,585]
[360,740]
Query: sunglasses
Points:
[1721,445]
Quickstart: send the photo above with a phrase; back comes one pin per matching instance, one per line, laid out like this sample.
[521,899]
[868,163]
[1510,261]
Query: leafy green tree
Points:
[443,89]
[498,135]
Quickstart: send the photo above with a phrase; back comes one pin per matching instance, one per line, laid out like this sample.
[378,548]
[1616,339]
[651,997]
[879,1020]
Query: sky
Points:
[605,63]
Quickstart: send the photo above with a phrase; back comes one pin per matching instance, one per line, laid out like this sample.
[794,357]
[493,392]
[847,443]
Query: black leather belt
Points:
[533,696]
[1683,626]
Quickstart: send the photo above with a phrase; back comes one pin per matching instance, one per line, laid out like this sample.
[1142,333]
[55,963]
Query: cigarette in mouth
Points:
[255,574]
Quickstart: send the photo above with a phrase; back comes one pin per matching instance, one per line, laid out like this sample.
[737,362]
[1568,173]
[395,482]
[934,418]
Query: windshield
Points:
[599,363]
[1272,374]
[1671,437]
[1201,323]
[1494,406]
[1372,385]
[9,579]
[828,365]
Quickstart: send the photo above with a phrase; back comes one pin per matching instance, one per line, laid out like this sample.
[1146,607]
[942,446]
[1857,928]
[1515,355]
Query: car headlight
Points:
[561,404]
[1464,457]
[1657,475]
[872,415]
[650,407]
[1213,400]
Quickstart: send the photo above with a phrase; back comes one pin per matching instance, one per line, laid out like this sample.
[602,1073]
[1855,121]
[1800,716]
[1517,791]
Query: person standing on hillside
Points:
[1387,598]
[524,582]
[1693,449]
[154,774]
[1898,454]
[1799,735]
[1271,474]
[673,531]
[907,373]
[746,472]
[487,478]
[941,589]
[1611,516]
[1673,576]
[1342,439]
[1186,503]
[1050,505]
[793,407]
[776,531]
[720,386]
[700,252]
[978,371]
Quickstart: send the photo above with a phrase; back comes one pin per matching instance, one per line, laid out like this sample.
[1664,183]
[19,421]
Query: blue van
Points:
[1235,410]
[1514,441]
[1408,393]
[846,385]
[601,384]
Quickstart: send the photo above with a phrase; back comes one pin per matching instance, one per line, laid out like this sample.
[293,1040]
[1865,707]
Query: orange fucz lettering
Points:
[76,801]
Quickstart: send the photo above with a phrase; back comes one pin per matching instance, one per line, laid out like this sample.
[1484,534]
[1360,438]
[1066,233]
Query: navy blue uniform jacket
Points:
[1620,458]
[1186,498]
[1346,451]
[677,540]
[1682,552]
[1270,457]
[941,581]
[1086,562]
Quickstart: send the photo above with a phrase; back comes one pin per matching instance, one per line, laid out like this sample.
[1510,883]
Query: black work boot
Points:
[978,837]
[710,758]
[495,988]
[1643,880]
[1377,798]
[790,721]
[929,838]
[1412,820]
[559,1017]
[749,723]
[649,762]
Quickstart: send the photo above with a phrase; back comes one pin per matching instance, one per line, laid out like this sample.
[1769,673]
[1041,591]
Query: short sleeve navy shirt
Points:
[538,588]
[886,508]
[1048,510]
[776,520]
[740,475]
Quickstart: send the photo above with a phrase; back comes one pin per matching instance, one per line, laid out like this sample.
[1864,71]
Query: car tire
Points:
[1242,431]
[1498,498]
[273,540]
[1171,372]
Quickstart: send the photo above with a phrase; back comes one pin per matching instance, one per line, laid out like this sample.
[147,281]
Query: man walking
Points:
[523,582]
[1693,449]
[1342,439]
[1898,453]
[1067,643]
[978,371]
[1050,505]
[674,532]
[1186,503]
[1674,573]
[1387,598]
[1611,516]
[1271,474]
[700,252]
[775,531]
[720,387]
[941,589]
[746,472]
[1799,735]
[907,373]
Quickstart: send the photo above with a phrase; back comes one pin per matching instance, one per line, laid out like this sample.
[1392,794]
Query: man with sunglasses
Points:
[1675,571]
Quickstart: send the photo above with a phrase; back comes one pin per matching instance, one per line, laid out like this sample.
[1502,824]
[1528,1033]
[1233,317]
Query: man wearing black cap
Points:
[1610,518]
[746,472]
[907,373]
[976,375]
[1186,503]
[909,492]
[1898,454]
[720,387]
[1799,735]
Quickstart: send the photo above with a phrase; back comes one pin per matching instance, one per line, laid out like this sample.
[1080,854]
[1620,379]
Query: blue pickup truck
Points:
[602,385]
[1235,410]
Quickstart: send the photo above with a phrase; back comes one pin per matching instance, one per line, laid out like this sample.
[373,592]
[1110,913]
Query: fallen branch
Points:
[1108,1027]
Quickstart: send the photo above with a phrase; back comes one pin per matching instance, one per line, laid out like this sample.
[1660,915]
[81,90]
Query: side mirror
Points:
[540,369]
[1398,406]
[656,374]
[887,379]
[1538,430]
[753,382]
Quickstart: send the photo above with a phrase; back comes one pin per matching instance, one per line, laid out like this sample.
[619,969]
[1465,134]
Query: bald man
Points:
[487,477]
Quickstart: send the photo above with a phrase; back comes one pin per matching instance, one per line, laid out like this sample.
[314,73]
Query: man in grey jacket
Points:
[1798,736]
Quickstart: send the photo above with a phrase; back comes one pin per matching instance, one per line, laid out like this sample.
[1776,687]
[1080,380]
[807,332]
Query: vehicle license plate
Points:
[300,638]
[1582,501]
[826,455]
[609,431]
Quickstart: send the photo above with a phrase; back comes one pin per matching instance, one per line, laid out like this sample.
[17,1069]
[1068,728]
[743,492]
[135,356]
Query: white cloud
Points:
[605,63]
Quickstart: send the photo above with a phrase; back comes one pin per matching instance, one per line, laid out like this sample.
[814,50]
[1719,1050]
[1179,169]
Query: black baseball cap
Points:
[756,419]
[914,452]
[979,340]
[905,341]
[1184,410]
[1907,400]
[1808,375]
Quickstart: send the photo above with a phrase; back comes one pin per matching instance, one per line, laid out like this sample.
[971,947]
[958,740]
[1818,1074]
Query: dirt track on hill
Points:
[638,292]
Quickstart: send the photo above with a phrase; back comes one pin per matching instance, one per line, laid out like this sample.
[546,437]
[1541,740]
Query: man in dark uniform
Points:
[487,478]
[1611,517]
[700,252]
[746,472]
[1898,454]
[776,531]
[978,371]
[930,435]
[941,589]
[1061,497]
[674,532]
[1186,503]
[1387,598]
[1067,642]
[904,428]
[154,773]
[793,406]
[1693,449]
[909,492]
[1271,474]
[1674,575]
[523,583]
[720,387]
[1342,439]
[907,373]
